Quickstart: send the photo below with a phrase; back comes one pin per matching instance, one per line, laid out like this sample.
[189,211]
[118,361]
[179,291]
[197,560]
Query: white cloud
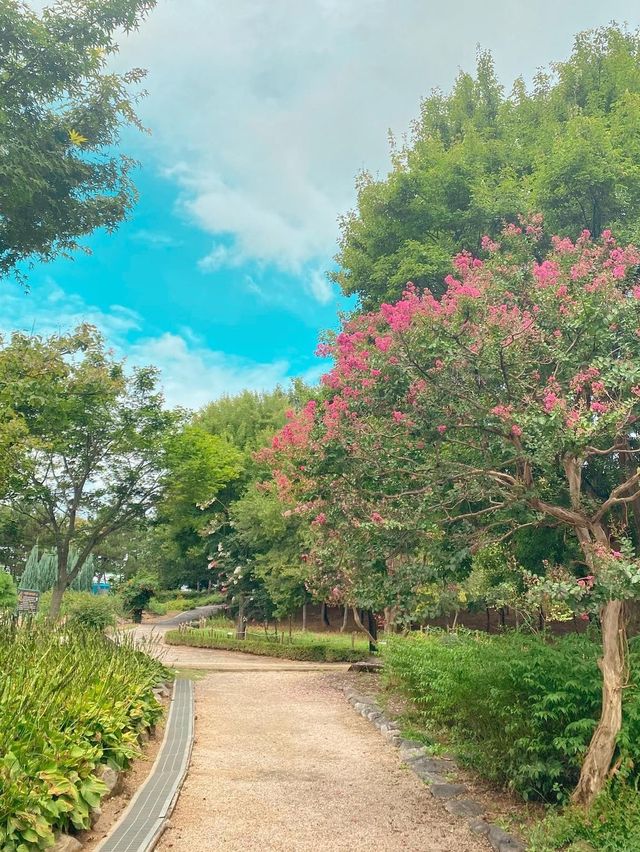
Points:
[191,374]
[263,111]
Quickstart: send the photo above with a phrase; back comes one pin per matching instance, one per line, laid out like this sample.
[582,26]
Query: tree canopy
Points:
[61,112]
[567,147]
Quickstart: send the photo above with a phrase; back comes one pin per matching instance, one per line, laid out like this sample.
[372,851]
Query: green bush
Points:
[137,592]
[612,824]
[8,592]
[71,700]
[315,652]
[75,601]
[93,611]
[171,601]
[521,709]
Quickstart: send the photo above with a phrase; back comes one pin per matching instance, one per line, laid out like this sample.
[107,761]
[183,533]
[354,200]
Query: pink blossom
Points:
[572,418]
[516,430]
[584,616]
[619,271]
[377,518]
[511,230]
[398,416]
[384,343]
[442,428]
[546,273]
[488,244]
[562,245]
[599,407]
[320,519]
[551,400]
[502,411]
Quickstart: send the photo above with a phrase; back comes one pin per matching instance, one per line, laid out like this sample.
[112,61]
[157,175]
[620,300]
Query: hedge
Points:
[314,653]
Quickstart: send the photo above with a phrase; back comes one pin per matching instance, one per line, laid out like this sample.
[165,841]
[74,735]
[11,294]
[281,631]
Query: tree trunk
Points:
[241,627]
[304,617]
[324,615]
[613,665]
[57,594]
[345,618]
[373,631]
[360,626]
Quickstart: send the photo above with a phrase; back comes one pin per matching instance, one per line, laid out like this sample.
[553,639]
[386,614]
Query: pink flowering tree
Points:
[512,400]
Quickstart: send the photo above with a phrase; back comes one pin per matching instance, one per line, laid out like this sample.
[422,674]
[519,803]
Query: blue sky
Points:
[262,112]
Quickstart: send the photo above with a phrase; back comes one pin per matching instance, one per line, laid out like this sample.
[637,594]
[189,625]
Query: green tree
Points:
[61,111]
[512,401]
[569,148]
[97,442]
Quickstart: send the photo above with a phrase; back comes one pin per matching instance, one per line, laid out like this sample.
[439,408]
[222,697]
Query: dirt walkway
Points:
[281,762]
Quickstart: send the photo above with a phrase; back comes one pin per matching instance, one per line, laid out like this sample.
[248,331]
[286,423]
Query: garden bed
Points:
[327,651]
[73,707]
[520,710]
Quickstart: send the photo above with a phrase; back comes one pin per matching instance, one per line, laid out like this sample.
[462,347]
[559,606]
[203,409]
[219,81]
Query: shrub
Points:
[136,594]
[92,611]
[520,709]
[71,700]
[313,652]
[74,601]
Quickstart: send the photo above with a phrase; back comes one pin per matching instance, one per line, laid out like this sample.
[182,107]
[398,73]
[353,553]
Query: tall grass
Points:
[70,700]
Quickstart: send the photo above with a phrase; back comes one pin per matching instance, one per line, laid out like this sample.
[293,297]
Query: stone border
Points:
[434,771]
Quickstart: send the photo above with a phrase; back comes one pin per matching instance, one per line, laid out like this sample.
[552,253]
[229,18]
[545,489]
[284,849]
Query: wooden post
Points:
[241,627]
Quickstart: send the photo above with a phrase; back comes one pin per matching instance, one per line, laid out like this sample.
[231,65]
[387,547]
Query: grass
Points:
[320,647]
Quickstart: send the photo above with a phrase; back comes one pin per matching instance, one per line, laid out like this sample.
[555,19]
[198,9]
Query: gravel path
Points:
[281,762]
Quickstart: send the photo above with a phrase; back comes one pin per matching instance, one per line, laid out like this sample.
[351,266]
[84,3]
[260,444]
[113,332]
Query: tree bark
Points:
[57,594]
[345,618]
[324,615]
[241,627]
[373,631]
[304,617]
[613,666]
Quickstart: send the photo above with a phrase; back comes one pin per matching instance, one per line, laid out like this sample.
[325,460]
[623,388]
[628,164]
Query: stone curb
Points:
[434,771]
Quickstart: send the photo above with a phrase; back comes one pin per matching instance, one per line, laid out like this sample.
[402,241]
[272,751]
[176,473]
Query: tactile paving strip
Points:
[141,824]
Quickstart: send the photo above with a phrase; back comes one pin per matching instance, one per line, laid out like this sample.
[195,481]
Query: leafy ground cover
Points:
[318,647]
[521,709]
[70,700]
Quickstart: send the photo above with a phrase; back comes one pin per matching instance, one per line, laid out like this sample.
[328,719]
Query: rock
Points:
[143,738]
[366,666]
[464,808]
[109,777]
[66,843]
[479,826]
[95,815]
[424,763]
[447,791]
[410,744]
[503,842]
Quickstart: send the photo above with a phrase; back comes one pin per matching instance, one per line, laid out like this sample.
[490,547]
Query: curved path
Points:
[282,763]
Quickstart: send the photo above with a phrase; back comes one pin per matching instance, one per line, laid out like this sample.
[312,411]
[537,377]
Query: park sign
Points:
[28,600]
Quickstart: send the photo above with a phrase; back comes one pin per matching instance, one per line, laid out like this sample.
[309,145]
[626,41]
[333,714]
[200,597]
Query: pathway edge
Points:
[153,837]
